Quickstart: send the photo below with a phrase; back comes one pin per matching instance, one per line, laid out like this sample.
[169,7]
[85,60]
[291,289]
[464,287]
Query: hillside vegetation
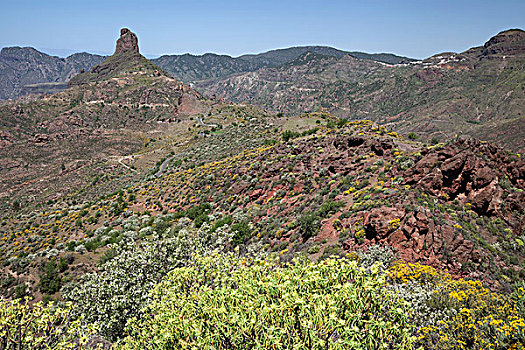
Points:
[137,214]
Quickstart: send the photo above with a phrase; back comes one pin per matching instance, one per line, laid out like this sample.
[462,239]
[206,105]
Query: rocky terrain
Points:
[106,113]
[164,218]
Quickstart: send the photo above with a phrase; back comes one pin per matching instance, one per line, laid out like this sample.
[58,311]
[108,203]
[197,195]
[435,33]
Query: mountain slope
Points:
[190,68]
[336,188]
[447,93]
[61,142]
[282,56]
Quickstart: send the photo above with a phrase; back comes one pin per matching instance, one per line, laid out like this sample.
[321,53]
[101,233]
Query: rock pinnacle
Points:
[127,42]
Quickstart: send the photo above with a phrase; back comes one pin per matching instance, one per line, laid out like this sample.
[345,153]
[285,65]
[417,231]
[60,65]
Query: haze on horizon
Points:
[235,27]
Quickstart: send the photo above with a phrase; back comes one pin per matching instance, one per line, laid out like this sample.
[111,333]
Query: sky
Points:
[416,29]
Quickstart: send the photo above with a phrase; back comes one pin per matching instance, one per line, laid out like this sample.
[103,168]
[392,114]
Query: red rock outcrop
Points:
[509,42]
[128,41]
[418,237]
[471,172]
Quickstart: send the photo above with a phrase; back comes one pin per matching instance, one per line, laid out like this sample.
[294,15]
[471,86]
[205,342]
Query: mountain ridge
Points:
[186,67]
[20,66]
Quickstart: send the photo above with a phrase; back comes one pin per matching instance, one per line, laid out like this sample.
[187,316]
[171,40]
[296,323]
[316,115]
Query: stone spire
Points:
[127,42]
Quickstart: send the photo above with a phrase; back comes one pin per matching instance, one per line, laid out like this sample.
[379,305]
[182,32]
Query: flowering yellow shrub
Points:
[484,319]
[394,134]
[394,224]
[405,272]
[360,233]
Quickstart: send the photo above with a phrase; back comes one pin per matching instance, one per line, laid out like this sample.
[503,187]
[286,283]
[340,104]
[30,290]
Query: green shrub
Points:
[309,224]
[288,135]
[269,142]
[201,219]
[20,291]
[50,281]
[412,136]
[197,210]
[309,131]
[108,255]
[332,250]
[62,264]
[226,303]
[329,207]
[242,232]
[92,244]
[227,220]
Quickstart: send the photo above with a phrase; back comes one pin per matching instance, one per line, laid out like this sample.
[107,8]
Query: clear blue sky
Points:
[411,28]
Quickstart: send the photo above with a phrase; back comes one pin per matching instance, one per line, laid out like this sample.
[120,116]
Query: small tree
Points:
[309,224]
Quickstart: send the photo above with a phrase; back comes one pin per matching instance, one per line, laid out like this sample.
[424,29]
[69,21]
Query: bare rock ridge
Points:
[128,41]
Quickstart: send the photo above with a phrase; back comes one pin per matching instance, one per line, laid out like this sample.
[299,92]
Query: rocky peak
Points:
[127,42]
[508,42]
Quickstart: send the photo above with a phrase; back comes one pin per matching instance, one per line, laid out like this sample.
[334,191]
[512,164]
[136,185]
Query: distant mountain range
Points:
[25,70]
[23,66]
[478,92]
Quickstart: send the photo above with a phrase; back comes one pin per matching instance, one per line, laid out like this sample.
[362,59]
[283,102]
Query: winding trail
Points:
[199,119]
[121,158]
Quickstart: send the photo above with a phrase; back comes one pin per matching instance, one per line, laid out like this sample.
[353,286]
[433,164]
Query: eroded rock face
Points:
[418,237]
[128,41]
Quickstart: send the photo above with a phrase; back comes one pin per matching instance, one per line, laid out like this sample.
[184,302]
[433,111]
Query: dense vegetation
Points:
[219,300]
[37,326]
[224,302]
